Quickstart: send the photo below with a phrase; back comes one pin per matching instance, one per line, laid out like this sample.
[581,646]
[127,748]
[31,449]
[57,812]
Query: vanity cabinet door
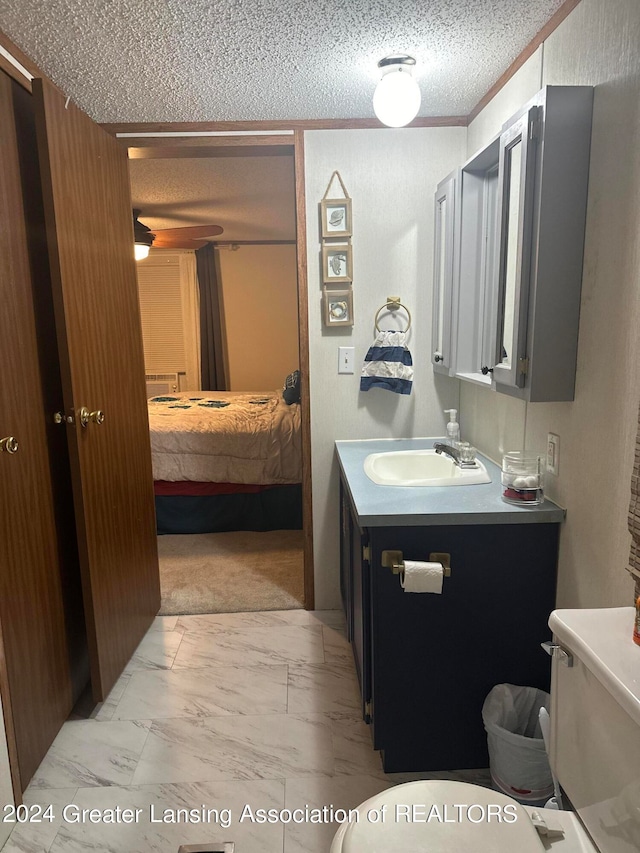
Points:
[515,203]
[361,640]
[435,658]
[346,566]
[475,310]
[445,270]
[355,586]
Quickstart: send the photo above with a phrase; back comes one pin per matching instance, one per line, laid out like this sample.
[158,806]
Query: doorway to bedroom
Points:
[221,329]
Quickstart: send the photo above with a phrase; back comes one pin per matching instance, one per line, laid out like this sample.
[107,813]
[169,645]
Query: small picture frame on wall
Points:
[336,217]
[337,307]
[336,263]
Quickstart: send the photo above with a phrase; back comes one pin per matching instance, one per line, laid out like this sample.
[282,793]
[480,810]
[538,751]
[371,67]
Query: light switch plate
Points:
[346,358]
[553,453]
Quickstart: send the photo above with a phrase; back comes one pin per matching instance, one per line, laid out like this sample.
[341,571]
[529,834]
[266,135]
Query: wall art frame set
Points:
[336,229]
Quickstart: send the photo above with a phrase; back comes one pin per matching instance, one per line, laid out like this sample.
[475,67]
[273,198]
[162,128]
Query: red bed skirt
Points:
[167,487]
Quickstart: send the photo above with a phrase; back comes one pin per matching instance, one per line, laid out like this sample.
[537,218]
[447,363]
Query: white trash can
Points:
[517,757]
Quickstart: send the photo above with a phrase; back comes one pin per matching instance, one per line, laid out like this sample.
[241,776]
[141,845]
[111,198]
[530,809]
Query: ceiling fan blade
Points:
[162,242]
[190,231]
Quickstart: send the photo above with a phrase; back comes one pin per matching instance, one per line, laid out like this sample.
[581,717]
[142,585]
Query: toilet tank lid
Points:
[602,639]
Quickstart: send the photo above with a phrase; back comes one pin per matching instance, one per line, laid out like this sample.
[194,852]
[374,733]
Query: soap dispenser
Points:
[453,427]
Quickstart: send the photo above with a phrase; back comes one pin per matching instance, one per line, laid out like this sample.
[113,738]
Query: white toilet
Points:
[595,753]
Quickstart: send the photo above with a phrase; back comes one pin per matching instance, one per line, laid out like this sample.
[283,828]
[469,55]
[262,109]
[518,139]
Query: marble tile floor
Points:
[228,713]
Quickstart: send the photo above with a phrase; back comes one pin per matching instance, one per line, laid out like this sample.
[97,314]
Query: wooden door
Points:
[40,618]
[90,236]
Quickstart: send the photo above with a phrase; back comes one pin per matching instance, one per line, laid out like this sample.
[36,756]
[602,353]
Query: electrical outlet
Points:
[553,453]
[346,358]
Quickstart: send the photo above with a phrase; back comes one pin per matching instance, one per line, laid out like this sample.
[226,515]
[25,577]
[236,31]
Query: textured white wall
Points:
[596,45]
[391,176]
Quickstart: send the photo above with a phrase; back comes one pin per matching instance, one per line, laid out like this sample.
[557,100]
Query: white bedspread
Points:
[253,439]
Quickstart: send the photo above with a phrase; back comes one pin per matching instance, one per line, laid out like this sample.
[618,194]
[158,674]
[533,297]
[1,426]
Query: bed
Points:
[225,460]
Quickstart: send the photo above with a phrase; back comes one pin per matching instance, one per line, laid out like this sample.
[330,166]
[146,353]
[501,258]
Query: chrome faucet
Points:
[454,454]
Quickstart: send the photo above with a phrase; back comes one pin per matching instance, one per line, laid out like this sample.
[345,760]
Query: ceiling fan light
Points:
[142,236]
[396,100]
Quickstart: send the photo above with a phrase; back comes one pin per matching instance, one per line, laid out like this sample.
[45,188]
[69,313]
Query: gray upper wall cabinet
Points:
[517,263]
[446,273]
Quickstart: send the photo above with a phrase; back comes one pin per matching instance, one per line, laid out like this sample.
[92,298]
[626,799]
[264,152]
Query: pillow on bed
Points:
[291,390]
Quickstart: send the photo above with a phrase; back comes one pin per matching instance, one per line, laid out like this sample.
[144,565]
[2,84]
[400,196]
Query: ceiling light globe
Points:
[141,252]
[396,100]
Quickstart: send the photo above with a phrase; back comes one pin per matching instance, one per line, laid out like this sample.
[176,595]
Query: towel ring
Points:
[392,304]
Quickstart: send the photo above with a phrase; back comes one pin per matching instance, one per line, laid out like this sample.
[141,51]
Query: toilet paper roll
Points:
[422,577]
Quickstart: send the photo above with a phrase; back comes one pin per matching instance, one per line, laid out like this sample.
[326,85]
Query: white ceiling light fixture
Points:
[396,100]
[140,252]
[142,236]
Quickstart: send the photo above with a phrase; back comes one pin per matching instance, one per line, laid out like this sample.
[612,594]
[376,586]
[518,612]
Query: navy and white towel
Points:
[388,364]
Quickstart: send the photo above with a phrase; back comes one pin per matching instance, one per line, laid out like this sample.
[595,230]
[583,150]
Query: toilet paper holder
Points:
[394,560]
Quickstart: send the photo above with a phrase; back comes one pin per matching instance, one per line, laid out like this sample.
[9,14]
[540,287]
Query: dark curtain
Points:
[212,362]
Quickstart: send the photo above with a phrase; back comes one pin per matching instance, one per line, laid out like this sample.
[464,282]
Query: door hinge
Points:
[523,366]
[367,709]
[366,554]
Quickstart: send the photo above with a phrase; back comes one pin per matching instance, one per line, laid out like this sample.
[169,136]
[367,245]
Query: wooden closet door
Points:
[37,636]
[90,235]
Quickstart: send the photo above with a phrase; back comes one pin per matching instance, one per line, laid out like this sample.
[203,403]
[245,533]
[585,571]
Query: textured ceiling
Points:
[251,197]
[208,60]
[199,60]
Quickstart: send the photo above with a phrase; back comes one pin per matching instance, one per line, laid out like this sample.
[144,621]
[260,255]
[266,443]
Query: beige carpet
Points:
[231,572]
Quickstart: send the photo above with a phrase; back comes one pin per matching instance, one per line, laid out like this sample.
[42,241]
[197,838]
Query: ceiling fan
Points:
[187,237]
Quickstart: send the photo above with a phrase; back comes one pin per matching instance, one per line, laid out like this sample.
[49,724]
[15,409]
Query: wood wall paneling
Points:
[169,147]
[305,405]
[270,125]
[90,237]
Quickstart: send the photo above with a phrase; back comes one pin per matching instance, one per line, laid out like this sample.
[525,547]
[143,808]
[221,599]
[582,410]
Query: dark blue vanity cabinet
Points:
[426,662]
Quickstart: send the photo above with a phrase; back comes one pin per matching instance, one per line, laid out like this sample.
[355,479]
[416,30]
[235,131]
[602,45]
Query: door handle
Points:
[85,416]
[9,444]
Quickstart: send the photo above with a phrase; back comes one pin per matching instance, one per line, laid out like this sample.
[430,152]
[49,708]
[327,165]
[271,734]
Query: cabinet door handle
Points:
[437,357]
[485,370]
[9,444]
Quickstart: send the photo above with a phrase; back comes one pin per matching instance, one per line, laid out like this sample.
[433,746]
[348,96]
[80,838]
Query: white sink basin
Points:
[421,468]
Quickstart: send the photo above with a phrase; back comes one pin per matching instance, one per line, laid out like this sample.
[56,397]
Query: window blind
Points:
[161,313]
